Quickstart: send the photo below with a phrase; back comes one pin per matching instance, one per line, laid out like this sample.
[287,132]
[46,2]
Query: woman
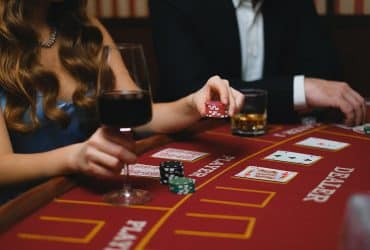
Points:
[49,53]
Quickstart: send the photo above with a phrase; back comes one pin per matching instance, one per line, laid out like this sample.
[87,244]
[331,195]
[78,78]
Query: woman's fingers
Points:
[108,150]
[122,138]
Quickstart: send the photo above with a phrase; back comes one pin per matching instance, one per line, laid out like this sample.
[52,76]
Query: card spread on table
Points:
[179,154]
[266,174]
[322,143]
[293,157]
[139,169]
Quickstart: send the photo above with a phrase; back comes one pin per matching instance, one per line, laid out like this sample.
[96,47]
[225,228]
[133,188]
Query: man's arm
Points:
[318,61]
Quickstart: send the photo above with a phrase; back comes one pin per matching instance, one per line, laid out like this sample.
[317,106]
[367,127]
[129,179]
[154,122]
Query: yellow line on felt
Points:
[218,216]
[247,234]
[86,239]
[155,228]
[270,195]
[94,203]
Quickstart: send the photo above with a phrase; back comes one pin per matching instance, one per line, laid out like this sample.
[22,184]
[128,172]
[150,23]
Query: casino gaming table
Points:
[225,212]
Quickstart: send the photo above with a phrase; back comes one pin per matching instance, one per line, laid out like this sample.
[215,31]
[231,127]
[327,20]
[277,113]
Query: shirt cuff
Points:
[299,96]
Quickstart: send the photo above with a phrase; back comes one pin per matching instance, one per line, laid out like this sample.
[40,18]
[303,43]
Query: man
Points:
[275,45]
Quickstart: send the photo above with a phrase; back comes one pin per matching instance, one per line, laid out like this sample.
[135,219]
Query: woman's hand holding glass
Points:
[104,153]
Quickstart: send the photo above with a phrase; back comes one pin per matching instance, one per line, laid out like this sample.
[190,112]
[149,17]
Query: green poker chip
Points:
[182,185]
[367,130]
[182,181]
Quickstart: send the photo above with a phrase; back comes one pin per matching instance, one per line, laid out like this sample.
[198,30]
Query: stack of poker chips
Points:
[169,170]
[182,185]
[216,109]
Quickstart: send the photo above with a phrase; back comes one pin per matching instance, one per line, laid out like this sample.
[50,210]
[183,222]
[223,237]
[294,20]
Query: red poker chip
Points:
[216,109]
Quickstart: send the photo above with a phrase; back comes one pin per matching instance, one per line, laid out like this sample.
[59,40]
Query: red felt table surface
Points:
[225,212]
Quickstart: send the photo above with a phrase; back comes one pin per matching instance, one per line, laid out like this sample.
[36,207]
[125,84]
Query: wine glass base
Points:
[126,198]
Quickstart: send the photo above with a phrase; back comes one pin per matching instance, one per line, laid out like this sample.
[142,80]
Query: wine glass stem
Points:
[126,180]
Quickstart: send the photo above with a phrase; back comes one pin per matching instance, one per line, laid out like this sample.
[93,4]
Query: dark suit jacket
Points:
[195,39]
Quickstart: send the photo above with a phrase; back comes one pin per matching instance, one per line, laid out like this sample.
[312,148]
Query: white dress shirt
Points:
[251,33]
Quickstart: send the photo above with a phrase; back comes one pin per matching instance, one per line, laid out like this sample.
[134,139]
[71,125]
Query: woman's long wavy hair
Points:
[21,74]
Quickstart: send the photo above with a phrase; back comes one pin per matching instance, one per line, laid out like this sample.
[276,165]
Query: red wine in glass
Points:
[124,109]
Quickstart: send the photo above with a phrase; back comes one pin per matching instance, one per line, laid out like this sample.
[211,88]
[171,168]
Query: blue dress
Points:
[48,136]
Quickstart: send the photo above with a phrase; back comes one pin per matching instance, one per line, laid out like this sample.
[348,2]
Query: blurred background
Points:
[348,22]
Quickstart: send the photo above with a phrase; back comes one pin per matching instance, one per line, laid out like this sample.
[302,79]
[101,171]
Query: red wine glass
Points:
[127,105]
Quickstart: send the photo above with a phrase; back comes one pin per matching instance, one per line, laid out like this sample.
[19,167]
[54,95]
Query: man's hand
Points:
[323,93]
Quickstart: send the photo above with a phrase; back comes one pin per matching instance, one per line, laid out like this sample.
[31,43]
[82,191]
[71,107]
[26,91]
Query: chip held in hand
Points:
[216,109]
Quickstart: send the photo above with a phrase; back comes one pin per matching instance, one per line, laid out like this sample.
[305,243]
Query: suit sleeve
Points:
[182,65]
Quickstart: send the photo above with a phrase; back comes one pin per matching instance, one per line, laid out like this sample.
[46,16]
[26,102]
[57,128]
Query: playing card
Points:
[179,154]
[322,143]
[292,157]
[139,169]
[266,174]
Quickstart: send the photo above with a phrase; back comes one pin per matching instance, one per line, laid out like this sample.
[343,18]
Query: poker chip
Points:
[169,170]
[367,130]
[216,109]
[362,129]
[308,120]
[182,185]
